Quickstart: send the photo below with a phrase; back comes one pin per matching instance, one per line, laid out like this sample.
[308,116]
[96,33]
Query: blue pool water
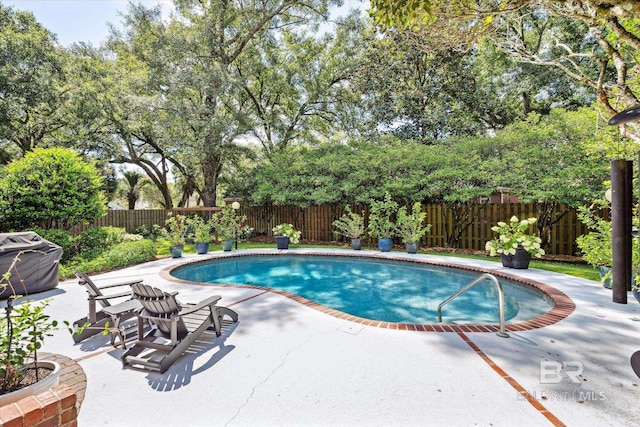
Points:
[390,291]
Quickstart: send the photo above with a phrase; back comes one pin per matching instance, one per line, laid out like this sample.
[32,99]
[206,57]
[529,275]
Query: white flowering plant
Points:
[513,235]
[287,230]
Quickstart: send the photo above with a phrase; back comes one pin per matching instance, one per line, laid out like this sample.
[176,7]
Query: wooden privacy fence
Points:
[127,219]
[132,219]
[315,223]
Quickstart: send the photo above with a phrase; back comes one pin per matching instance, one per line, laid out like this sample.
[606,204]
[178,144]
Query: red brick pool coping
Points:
[563,305]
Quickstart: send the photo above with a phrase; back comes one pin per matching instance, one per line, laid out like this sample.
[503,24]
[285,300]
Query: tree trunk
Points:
[211,168]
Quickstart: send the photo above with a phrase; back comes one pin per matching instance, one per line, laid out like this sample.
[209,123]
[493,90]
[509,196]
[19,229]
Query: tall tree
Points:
[218,38]
[201,71]
[33,86]
[592,41]
[415,89]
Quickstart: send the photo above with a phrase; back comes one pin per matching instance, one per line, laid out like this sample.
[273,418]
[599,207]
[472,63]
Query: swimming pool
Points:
[376,289]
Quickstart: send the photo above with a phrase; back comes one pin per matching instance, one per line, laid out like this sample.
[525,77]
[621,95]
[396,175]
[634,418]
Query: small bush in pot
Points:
[201,230]
[381,223]
[350,225]
[23,331]
[228,225]
[286,230]
[175,233]
[513,238]
[410,226]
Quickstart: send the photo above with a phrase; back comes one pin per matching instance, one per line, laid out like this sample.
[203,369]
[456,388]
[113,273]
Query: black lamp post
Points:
[235,205]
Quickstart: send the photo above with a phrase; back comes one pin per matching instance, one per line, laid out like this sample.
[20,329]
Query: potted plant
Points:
[381,224]
[410,226]
[201,233]
[285,234]
[227,225]
[514,244]
[175,232]
[351,225]
[23,330]
[596,246]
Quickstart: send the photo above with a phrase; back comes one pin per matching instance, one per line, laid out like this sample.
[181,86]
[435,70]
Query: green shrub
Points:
[115,235]
[51,188]
[92,242]
[120,255]
[149,233]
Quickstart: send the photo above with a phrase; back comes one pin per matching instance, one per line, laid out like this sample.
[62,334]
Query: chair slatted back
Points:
[92,288]
[161,305]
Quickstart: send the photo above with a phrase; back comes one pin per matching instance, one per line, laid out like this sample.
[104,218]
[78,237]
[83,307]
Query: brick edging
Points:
[53,407]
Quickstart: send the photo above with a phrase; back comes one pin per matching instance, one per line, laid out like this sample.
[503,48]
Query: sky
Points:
[86,20]
[78,20]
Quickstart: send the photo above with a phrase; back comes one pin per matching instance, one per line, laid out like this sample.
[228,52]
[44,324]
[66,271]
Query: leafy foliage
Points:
[415,89]
[120,255]
[32,83]
[176,229]
[50,188]
[289,231]
[545,161]
[589,42]
[227,223]
[410,225]
[200,228]
[350,224]
[381,224]
[93,241]
[24,328]
[513,235]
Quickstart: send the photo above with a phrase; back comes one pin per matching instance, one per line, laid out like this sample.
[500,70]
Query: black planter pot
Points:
[412,247]
[282,242]
[176,251]
[519,261]
[202,248]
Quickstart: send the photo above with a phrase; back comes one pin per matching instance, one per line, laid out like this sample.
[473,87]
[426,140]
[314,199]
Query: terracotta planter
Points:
[50,381]
[519,261]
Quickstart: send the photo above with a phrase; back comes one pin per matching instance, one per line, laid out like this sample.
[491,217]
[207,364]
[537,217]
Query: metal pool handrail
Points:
[501,332]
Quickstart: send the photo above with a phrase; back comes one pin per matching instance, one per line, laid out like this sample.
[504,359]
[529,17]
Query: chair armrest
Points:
[212,300]
[114,285]
[108,297]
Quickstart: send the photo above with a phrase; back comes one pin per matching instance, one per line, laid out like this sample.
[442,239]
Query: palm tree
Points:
[134,183]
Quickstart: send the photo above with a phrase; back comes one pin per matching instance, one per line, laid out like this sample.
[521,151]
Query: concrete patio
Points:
[286,364]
